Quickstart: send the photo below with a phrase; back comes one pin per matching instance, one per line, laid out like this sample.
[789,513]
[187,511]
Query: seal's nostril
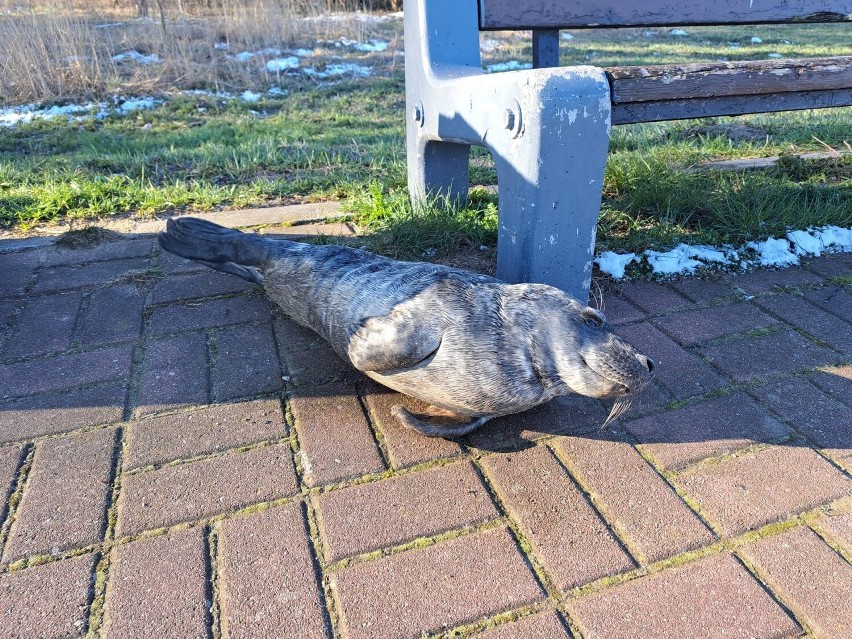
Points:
[646,362]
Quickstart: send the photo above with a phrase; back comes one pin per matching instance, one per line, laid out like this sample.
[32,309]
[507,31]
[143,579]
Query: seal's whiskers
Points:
[619,407]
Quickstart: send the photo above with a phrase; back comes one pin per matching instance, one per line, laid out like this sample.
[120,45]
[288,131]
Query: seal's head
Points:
[589,358]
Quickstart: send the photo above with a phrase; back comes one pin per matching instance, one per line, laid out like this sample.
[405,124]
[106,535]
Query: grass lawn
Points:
[344,139]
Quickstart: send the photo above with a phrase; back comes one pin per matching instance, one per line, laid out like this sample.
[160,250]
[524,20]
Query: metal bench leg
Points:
[550,178]
[547,129]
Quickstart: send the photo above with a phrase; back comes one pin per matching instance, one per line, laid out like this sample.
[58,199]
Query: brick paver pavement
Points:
[177,458]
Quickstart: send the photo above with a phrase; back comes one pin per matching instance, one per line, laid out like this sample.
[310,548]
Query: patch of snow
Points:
[683,259]
[221,46]
[137,104]
[566,36]
[243,56]
[649,34]
[804,243]
[678,32]
[340,69]
[303,52]
[250,96]
[282,64]
[137,57]
[774,55]
[277,91]
[373,46]
[511,65]
[26,113]
[774,252]
[489,45]
[755,40]
[835,238]
[109,25]
[614,264]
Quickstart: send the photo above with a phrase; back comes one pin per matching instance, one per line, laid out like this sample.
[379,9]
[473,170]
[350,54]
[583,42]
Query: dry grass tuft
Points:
[64,52]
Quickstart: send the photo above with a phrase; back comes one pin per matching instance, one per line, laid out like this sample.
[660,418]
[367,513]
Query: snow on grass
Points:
[137,57]
[250,96]
[678,32]
[511,65]
[282,64]
[773,252]
[137,104]
[614,263]
[346,68]
[27,113]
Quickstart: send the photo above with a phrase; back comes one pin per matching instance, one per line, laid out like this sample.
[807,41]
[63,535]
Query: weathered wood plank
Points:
[566,14]
[671,82]
[633,112]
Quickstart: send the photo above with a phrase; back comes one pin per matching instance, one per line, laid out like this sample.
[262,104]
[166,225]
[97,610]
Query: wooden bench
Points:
[548,128]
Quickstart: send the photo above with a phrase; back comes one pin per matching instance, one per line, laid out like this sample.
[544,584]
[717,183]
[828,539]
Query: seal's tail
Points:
[215,246]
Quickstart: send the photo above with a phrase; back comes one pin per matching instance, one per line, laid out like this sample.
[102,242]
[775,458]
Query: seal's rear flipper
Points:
[215,246]
[441,427]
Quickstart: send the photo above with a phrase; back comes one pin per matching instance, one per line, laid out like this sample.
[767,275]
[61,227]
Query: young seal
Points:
[470,345]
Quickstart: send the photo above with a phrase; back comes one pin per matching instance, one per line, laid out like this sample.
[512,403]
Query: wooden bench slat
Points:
[690,81]
[633,112]
[567,14]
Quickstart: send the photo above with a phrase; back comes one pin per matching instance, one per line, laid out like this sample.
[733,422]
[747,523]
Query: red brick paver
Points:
[647,512]
[162,439]
[363,518]
[50,601]
[156,588]
[812,579]
[760,487]
[65,497]
[61,412]
[336,439]
[450,583]
[65,371]
[713,597]
[269,585]
[146,408]
[571,540]
[679,437]
[184,492]
[46,325]
[405,447]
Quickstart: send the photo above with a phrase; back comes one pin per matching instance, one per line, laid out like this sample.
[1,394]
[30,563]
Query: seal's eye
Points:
[592,317]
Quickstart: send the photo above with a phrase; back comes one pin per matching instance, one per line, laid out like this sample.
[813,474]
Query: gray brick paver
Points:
[762,281]
[46,325]
[207,283]
[65,498]
[693,326]
[682,373]
[838,527]
[810,577]
[17,269]
[108,250]
[114,315]
[811,319]
[766,355]
[654,298]
[10,459]
[62,278]
[176,318]
[835,299]
[246,363]
[175,373]
[64,371]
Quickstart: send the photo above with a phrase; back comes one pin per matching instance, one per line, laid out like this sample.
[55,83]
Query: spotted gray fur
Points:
[466,343]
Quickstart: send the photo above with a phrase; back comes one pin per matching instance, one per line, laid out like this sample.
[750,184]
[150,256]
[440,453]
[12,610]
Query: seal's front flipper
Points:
[397,340]
[436,426]
[246,272]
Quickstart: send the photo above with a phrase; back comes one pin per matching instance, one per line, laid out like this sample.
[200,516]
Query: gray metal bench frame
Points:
[548,128]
